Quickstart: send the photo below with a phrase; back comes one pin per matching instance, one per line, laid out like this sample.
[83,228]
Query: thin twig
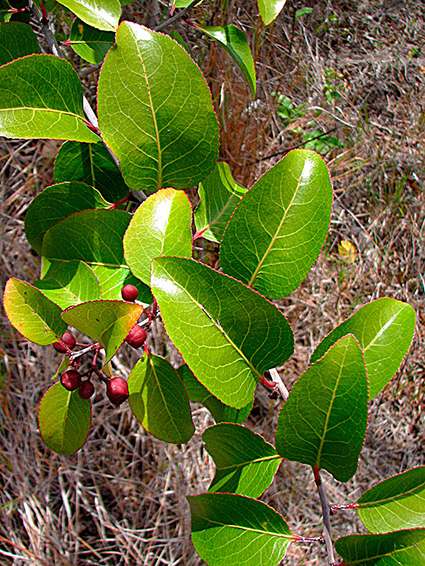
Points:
[326,509]
[274,374]
[294,147]
[177,16]
[89,70]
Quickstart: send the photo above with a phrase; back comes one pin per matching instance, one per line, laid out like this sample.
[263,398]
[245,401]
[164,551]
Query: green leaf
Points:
[384,329]
[10,47]
[31,313]
[91,164]
[404,548]
[90,43]
[395,503]
[178,38]
[41,97]
[68,284]
[232,529]
[237,333]
[302,11]
[64,420]
[56,203]
[270,9]
[155,111]
[95,237]
[5,13]
[107,322]
[323,422]
[219,194]
[234,41]
[245,462]
[200,394]
[101,14]
[280,225]
[61,367]
[162,225]
[159,401]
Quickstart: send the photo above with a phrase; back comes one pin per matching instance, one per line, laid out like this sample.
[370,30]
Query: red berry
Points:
[71,379]
[68,340]
[129,293]
[136,336]
[117,390]
[86,389]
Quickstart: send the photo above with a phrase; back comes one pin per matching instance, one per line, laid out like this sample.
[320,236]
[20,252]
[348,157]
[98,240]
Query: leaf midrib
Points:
[158,142]
[392,499]
[256,461]
[217,326]
[328,416]
[244,528]
[274,238]
[152,366]
[36,109]
[382,330]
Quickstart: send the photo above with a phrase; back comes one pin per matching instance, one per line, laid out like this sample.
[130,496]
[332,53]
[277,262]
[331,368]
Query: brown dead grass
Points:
[121,499]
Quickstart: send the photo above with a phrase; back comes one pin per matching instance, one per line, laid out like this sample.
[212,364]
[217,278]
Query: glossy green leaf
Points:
[56,203]
[232,529]
[395,503]
[155,111]
[162,225]
[227,334]
[402,548]
[384,329]
[100,14]
[31,313]
[323,422]
[91,164]
[95,237]
[159,401]
[30,107]
[10,47]
[178,38]
[89,43]
[199,394]
[70,283]
[270,9]
[219,194]
[280,225]
[64,420]
[234,41]
[107,322]
[245,462]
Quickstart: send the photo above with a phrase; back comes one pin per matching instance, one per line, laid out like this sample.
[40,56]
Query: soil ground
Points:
[350,75]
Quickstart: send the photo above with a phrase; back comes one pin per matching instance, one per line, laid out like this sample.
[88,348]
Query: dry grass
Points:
[121,499]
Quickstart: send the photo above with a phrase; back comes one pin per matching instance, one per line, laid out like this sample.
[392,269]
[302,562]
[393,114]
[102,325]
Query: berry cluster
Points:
[116,387]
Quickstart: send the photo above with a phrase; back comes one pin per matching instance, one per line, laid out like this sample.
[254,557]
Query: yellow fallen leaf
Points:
[347,251]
